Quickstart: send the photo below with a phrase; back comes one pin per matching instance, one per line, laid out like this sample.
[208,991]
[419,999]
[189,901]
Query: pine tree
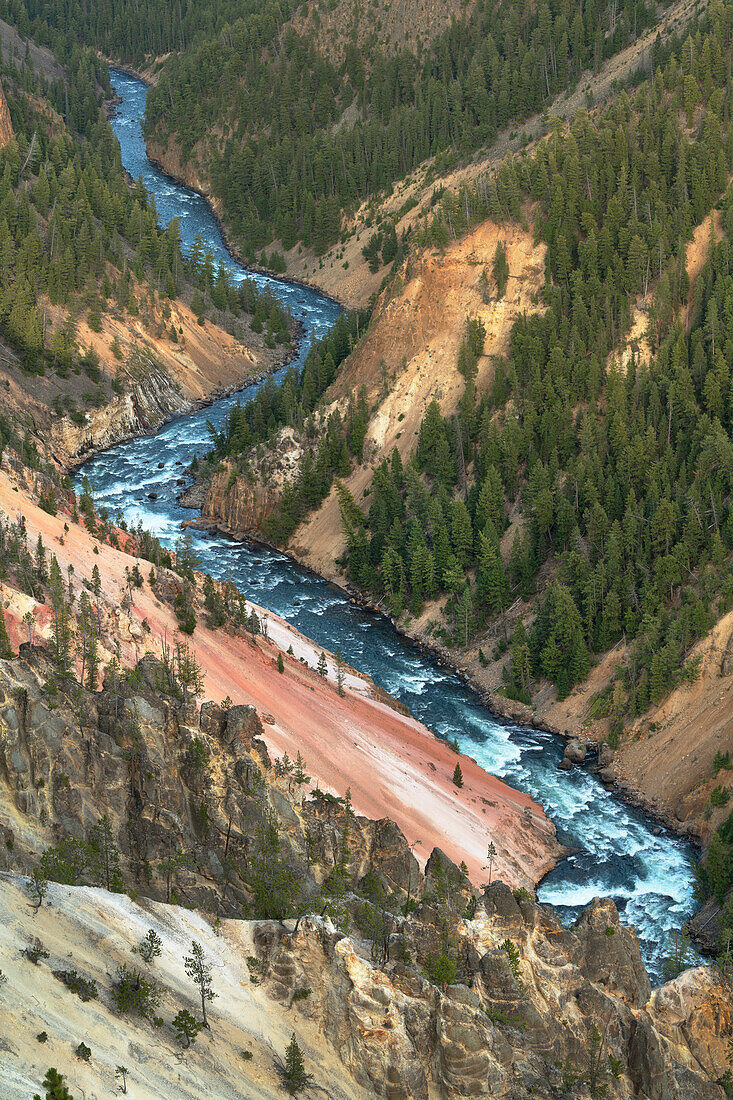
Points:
[104,856]
[457,776]
[280,663]
[273,882]
[465,615]
[6,652]
[340,677]
[520,658]
[490,857]
[292,1070]
[500,269]
[186,1027]
[299,773]
[199,971]
[322,667]
[61,624]
[55,1088]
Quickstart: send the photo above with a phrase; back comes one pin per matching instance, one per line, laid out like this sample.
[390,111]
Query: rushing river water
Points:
[618,854]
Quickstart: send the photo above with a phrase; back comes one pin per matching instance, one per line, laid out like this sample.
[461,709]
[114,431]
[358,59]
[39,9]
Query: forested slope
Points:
[96,299]
[291,119]
[564,501]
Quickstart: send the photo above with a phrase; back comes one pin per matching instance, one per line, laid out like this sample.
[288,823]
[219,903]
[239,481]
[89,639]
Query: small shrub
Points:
[441,969]
[721,760]
[85,988]
[42,1036]
[83,1052]
[35,952]
[150,946]
[513,953]
[719,796]
[256,969]
[198,755]
[133,992]
[186,1027]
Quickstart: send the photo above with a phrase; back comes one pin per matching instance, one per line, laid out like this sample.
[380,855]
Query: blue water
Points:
[650,877]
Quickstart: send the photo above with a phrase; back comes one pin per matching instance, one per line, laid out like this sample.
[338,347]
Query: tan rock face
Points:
[6,127]
[237,504]
[400,1036]
[146,406]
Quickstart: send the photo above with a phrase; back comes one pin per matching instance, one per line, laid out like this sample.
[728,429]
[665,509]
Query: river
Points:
[617,853]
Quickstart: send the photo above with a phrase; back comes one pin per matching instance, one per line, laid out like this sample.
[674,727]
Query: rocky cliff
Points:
[562,1026]
[6,126]
[149,402]
[236,503]
[407,986]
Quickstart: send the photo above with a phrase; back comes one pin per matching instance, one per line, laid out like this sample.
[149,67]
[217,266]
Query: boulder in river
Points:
[575,753]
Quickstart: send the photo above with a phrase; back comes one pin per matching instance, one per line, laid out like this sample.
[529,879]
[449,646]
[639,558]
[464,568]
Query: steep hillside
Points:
[338,119]
[578,999]
[394,767]
[411,351]
[344,271]
[105,329]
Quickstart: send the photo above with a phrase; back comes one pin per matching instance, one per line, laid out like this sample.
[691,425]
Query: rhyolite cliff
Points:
[398,984]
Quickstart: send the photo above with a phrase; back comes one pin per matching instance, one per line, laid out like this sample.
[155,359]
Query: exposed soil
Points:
[394,766]
[412,346]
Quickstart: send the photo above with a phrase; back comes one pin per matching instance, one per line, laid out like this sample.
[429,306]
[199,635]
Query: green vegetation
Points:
[95,861]
[292,403]
[134,993]
[622,477]
[74,235]
[679,953]
[292,1070]
[54,1086]
[199,971]
[283,168]
[186,1027]
[150,946]
[85,988]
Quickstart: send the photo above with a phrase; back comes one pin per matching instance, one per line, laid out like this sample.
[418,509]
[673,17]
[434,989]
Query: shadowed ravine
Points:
[650,877]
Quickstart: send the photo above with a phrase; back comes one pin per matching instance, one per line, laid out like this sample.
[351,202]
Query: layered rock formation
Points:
[237,504]
[147,405]
[534,1009]
[573,1017]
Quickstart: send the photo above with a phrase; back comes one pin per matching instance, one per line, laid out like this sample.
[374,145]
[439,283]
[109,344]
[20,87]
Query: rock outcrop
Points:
[6,126]
[172,778]
[533,1028]
[149,402]
[438,990]
[237,504]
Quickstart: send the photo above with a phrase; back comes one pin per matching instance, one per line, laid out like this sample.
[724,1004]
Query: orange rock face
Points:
[6,127]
